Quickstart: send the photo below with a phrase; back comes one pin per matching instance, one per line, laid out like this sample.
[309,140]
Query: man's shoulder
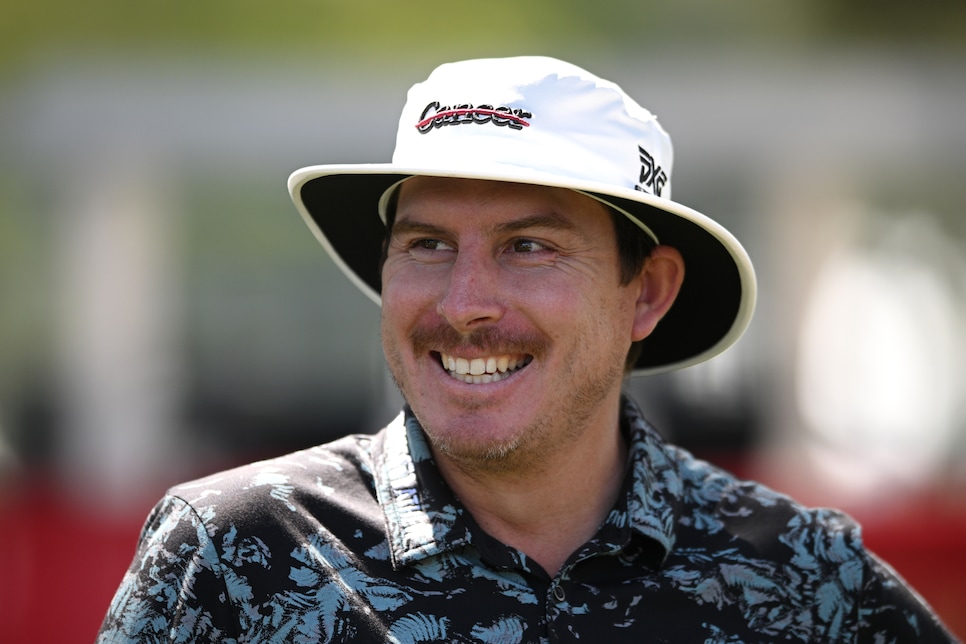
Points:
[757,514]
[768,522]
[305,480]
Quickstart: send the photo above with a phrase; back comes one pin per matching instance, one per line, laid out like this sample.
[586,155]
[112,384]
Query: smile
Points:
[480,371]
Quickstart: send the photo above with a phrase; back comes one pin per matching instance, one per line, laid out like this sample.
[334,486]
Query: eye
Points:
[430,250]
[527,246]
[429,245]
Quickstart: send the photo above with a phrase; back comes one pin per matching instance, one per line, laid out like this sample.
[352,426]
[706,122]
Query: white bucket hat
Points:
[541,121]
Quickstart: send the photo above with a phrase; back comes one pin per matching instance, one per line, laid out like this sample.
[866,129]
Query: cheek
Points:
[567,300]
[396,319]
[401,294]
[407,285]
[393,319]
[605,315]
[406,304]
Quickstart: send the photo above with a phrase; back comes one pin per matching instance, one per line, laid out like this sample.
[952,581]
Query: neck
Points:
[548,510]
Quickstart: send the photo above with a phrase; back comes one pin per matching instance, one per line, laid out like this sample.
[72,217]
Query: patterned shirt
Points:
[361,540]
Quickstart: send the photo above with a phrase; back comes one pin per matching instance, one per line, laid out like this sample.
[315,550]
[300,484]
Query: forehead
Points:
[442,199]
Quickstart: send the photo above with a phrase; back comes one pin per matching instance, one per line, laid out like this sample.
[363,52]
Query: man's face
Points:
[503,319]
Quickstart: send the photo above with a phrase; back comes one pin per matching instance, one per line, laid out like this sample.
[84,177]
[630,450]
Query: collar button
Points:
[558,594]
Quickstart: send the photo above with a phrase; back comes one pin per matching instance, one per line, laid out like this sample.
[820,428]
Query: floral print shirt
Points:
[360,540]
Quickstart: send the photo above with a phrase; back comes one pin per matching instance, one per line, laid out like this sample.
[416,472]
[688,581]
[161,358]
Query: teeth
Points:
[481,370]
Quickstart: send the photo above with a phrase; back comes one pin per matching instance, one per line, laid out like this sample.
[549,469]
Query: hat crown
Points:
[538,116]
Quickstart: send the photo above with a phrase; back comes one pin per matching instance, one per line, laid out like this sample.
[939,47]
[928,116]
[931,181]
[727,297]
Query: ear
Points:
[660,280]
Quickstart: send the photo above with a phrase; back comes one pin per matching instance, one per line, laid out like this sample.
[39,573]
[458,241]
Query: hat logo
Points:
[652,175]
[436,115]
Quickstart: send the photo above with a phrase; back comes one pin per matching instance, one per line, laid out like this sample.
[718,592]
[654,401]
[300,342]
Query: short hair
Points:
[634,246]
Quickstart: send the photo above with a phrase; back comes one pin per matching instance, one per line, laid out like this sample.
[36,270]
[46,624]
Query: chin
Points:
[474,447]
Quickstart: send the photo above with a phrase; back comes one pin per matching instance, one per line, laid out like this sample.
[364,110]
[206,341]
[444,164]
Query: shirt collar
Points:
[654,485]
[424,518]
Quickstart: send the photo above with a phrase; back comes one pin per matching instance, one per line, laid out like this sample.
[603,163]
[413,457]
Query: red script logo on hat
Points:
[436,116]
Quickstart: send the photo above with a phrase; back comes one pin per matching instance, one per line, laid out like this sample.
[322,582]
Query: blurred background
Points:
[164,312]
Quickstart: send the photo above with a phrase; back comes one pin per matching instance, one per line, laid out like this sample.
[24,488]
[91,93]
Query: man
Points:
[526,255]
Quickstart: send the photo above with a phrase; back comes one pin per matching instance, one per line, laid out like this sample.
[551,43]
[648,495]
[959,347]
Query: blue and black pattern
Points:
[361,540]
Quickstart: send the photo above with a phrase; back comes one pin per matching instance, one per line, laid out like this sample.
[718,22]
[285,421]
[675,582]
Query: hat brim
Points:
[712,310]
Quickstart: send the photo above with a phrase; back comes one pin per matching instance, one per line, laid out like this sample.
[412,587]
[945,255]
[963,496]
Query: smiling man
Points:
[527,258]
[506,325]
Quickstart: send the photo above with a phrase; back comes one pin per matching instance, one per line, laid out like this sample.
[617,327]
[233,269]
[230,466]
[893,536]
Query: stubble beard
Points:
[529,448]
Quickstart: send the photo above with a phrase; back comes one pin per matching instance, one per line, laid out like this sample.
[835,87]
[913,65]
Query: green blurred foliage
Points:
[377,28]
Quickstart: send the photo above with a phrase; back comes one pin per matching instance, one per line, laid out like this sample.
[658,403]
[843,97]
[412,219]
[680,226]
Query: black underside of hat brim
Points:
[344,206]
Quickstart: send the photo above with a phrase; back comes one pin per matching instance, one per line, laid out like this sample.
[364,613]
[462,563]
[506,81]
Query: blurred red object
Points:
[62,562]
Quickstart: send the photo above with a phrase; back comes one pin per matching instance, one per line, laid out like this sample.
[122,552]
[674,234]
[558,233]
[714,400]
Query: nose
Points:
[472,297]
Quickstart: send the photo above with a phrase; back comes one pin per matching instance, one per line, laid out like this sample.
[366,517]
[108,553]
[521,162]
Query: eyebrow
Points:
[548,221]
[406,227]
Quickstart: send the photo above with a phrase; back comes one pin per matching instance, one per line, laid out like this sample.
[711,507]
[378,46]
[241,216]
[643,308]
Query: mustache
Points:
[494,340]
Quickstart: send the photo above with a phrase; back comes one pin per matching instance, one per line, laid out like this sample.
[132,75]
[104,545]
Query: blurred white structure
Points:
[120,308]
[881,370]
